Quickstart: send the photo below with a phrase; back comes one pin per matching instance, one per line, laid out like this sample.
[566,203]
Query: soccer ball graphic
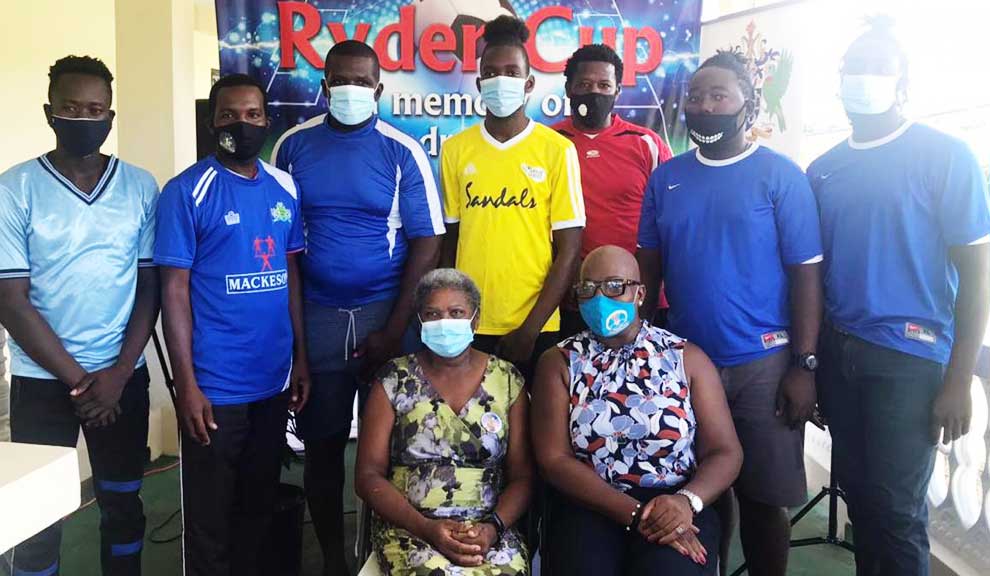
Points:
[457,14]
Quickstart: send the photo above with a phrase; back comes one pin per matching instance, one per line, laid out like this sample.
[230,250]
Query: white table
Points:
[38,485]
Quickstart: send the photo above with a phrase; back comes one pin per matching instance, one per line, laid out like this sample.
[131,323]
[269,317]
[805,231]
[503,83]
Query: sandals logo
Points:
[503,200]
[281,214]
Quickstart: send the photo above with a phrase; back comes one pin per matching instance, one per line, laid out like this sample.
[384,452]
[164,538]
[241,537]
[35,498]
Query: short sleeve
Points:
[649,233]
[450,187]
[297,241]
[13,236]
[964,211]
[796,216]
[146,249]
[566,197]
[175,227]
[419,200]
[280,153]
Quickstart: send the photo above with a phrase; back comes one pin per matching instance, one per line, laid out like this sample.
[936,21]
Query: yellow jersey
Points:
[507,199]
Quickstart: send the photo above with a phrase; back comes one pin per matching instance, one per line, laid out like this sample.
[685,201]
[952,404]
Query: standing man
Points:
[228,234]
[906,225]
[735,228]
[616,157]
[373,226]
[512,197]
[79,297]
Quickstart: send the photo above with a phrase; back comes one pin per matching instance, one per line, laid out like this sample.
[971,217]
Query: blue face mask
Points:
[448,337]
[352,105]
[606,316]
[503,95]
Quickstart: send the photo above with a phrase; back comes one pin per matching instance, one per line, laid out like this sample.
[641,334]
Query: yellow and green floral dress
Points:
[449,466]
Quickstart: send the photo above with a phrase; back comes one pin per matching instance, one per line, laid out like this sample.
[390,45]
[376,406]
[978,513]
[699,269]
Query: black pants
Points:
[878,404]
[230,489]
[585,543]
[41,412]
[544,341]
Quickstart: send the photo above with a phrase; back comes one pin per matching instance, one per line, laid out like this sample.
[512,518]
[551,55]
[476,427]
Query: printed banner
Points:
[429,52]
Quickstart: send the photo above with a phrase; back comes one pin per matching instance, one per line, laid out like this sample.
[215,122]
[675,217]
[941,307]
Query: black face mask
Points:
[714,130]
[81,136]
[240,140]
[592,109]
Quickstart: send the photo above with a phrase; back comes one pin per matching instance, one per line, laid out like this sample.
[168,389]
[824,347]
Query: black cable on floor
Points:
[151,536]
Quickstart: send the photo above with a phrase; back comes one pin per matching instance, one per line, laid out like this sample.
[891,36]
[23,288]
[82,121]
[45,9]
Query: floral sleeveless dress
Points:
[448,465]
[631,417]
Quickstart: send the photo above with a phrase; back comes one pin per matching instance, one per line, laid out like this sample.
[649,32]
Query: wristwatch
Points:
[693,499]
[495,520]
[807,361]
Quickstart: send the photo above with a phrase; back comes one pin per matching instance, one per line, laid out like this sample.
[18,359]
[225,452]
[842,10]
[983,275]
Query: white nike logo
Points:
[672,186]
[825,176]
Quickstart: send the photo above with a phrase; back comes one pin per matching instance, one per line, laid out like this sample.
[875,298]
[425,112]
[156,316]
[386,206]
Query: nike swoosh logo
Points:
[825,176]
[673,186]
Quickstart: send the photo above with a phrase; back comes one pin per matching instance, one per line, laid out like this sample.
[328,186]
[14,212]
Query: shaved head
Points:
[610,262]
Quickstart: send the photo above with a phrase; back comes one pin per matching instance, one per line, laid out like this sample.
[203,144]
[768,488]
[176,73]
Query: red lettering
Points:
[339,34]
[470,34]
[609,37]
[534,22]
[630,37]
[428,47]
[405,30]
[291,39]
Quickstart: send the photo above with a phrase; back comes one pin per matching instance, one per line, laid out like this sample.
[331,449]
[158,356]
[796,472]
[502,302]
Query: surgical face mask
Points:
[81,136]
[352,105]
[607,316]
[713,130]
[868,93]
[592,108]
[448,337]
[503,95]
[240,140]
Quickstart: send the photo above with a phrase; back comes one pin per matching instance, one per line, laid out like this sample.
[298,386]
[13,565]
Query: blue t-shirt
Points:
[726,230]
[364,195]
[233,234]
[891,209]
[81,253]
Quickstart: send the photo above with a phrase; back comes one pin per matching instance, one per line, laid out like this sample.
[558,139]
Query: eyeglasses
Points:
[610,288]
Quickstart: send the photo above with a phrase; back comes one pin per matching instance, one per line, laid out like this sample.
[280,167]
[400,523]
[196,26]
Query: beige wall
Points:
[35,34]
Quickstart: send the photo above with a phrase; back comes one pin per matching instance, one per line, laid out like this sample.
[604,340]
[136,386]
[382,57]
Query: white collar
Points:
[511,141]
[881,141]
[728,161]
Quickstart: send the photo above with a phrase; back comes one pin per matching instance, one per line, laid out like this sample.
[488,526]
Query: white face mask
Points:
[868,93]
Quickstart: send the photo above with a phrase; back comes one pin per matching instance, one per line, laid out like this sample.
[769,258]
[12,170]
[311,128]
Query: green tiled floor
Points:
[80,554]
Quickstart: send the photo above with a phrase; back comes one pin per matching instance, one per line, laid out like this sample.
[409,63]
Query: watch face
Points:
[811,362]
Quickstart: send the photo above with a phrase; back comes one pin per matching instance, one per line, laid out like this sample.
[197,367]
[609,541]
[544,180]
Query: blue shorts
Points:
[332,336]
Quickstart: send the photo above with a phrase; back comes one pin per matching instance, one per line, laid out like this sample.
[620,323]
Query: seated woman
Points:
[443,457]
[634,433]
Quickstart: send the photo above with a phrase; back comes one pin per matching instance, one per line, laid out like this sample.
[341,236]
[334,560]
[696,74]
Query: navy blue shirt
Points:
[890,211]
[233,234]
[726,229]
[364,194]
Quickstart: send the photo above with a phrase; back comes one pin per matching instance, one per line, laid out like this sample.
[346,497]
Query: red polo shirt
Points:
[616,164]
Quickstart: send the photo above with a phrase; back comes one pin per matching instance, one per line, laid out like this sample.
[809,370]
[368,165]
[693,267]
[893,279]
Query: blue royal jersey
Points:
[81,253]
[891,209]
[365,194]
[726,231]
[233,234]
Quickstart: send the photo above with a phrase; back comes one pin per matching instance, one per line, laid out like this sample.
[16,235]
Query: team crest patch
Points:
[535,173]
[281,214]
